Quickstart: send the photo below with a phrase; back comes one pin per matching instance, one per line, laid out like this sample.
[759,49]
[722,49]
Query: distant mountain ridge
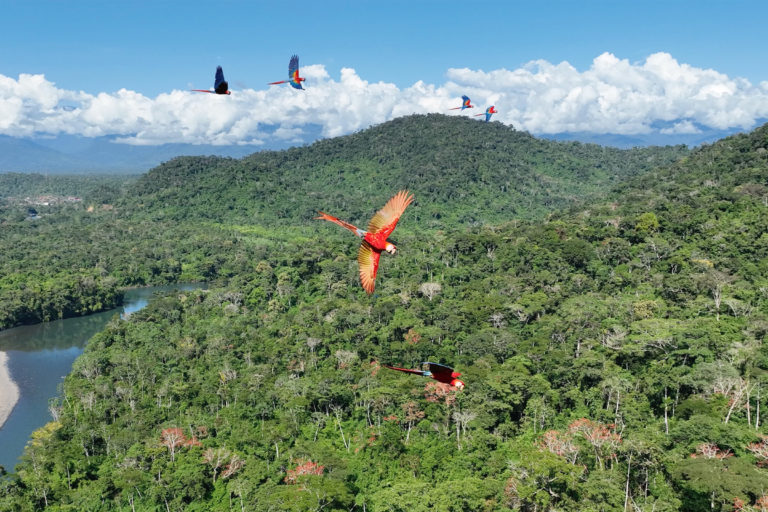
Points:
[70,154]
[77,154]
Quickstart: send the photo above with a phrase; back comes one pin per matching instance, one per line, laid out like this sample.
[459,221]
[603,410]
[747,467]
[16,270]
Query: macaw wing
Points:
[295,84]
[465,99]
[219,78]
[440,372]
[385,220]
[406,370]
[293,66]
[368,263]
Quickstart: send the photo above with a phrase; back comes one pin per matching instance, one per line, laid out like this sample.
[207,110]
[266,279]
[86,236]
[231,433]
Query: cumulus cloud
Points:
[659,95]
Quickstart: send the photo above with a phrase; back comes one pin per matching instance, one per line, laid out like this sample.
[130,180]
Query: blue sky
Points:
[153,48]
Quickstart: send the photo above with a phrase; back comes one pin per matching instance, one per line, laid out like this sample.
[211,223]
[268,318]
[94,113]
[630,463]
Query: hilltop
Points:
[462,172]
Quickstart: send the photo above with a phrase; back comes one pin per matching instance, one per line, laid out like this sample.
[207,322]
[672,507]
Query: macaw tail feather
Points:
[357,231]
[275,83]
[406,370]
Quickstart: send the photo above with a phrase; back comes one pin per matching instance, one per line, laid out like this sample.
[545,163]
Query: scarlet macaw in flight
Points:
[293,74]
[488,113]
[464,104]
[439,372]
[220,86]
[375,239]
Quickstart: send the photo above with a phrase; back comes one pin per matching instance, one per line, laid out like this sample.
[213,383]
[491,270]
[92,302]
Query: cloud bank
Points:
[659,95]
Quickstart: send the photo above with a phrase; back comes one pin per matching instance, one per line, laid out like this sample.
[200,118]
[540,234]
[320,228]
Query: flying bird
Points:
[293,74]
[439,372]
[488,113]
[375,239]
[220,86]
[464,104]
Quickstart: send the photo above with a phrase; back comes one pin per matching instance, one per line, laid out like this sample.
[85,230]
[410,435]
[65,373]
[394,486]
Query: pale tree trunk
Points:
[338,422]
[458,439]
[738,393]
[626,488]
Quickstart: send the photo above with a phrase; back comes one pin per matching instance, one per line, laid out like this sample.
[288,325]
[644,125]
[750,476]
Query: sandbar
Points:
[9,391]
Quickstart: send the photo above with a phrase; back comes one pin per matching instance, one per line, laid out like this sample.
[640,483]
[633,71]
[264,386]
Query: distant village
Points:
[49,200]
[42,200]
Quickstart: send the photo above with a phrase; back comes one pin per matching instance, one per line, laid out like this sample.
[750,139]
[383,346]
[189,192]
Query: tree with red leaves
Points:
[172,439]
[760,451]
[560,444]
[304,468]
[602,437]
[412,415]
[710,451]
[439,392]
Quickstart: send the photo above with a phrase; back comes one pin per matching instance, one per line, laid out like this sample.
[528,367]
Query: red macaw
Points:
[488,113]
[293,74]
[464,104]
[220,86]
[375,239]
[439,372]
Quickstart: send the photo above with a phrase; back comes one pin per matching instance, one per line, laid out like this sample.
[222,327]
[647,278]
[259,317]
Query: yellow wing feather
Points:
[368,261]
[389,215]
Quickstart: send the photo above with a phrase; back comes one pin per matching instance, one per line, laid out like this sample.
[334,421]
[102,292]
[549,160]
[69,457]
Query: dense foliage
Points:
[614,357]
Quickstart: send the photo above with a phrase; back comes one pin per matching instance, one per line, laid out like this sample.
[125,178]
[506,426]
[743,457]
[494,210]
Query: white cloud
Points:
[681,127]
[612,96]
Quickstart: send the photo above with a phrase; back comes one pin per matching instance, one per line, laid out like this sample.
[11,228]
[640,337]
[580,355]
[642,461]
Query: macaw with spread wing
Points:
[375,239]
[220,86]
[439,372]
[465,103]
[293,75]
[488,113]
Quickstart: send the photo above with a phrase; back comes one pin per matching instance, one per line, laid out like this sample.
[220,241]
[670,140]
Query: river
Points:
[41,355]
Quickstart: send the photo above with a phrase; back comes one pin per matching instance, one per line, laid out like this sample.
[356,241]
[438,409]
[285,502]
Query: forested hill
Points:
[614,356]
[462,172]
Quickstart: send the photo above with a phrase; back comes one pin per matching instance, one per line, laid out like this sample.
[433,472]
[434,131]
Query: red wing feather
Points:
[441,372]
[385,220]
[368,261]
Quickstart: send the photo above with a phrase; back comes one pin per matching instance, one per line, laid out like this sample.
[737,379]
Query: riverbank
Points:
[9,391]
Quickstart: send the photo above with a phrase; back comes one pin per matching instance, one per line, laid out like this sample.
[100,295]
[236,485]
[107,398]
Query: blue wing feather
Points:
[293,65]
[219,77]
